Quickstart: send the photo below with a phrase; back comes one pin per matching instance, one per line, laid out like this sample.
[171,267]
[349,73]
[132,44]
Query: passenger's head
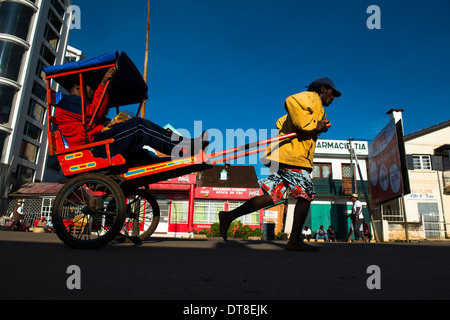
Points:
[89,89]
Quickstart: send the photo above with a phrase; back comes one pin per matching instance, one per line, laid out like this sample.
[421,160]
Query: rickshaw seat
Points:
[79,158]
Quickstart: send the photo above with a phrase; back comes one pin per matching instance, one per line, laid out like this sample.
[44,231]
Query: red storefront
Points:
[192,202]
[210,200]
[176,200]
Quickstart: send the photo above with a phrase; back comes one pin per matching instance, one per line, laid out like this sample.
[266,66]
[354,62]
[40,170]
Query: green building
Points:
[335,177]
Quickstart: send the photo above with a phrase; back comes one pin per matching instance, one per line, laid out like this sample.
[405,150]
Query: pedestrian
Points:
[359,217]
[17,216]
[306,233]
[331,234]
[293,159]
[352,225]
[321,233]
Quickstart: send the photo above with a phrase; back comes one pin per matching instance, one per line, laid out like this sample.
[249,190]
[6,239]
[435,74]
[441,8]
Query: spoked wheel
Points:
[142,214]
[89,211]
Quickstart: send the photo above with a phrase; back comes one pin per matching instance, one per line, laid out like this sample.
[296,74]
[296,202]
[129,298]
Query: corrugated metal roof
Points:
[37,189]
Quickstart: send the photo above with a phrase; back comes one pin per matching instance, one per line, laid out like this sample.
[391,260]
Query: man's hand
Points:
[108,75]
[323,126]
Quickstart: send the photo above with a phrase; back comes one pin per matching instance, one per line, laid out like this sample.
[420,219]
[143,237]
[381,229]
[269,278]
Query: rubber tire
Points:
[155,208]
[113,231]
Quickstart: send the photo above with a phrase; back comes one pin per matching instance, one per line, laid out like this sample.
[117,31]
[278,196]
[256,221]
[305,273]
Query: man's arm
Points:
[103,110]
[300,108]
[357,211]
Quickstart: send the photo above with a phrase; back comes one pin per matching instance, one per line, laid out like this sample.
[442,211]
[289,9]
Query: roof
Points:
[37,190]
[127,87]
[238,177]
[428,130]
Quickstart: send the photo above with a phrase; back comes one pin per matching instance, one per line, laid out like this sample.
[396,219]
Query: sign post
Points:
[387,168]
[353,155]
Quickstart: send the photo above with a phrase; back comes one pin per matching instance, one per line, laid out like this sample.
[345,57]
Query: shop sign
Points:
[226,193]
[422,195]
[341,147]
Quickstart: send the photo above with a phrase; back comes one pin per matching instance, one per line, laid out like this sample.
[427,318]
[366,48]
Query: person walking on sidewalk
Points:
[359,217]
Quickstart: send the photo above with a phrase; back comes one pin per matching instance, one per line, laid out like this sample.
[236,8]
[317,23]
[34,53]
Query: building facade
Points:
[33,34]
[427,206]
[224,188]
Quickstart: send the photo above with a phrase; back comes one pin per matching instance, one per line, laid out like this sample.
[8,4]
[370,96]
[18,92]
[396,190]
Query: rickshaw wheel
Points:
[89,211]
[142,214]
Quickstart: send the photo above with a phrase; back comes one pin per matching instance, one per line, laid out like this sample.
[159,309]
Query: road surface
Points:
[36,266]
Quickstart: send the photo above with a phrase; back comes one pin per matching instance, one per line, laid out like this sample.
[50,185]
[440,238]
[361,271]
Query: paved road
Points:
[34,266]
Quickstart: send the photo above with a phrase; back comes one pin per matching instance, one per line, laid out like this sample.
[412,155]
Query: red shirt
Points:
[69,117]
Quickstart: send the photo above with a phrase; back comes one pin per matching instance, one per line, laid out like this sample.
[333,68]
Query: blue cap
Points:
[327,82]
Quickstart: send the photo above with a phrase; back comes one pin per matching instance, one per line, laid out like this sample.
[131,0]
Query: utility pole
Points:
[146,55]
[353,154]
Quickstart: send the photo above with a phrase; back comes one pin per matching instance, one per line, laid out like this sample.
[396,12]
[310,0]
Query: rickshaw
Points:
[103,198]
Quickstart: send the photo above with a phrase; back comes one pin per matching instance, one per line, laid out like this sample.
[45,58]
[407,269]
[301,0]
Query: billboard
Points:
[387,170]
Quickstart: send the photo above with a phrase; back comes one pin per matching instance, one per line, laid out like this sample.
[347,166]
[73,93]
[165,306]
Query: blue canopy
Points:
[127,87]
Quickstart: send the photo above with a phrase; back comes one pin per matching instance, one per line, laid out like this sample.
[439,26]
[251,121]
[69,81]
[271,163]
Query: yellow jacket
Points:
[304,111]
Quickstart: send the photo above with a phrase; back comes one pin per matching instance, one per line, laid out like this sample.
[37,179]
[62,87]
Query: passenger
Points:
[129,137]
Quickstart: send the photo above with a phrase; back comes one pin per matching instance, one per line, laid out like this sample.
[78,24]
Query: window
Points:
[3,137]
[322,170]
[24,173]
[47,205]
[39,91]
[348,186]
[224,175]
[55,20]
[48,55]
[16,18]
[58,8]
[179,213]
[164,208]
[7,95]
[251,218]
[32,132]
[207,211]
[11,56]
[40,70]
[422,162]
[36,111]
[52,38]
[28,151]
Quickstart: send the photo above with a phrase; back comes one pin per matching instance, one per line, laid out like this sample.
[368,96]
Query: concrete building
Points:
[426,209]
[429,174]
[33,34]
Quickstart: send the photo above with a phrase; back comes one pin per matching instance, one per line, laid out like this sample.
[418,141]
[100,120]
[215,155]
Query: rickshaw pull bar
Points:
[247,147]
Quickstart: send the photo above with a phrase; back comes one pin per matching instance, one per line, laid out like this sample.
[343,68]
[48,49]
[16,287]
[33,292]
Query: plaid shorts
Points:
[297,180]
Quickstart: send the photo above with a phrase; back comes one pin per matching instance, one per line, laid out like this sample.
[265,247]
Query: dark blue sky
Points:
[232,63]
